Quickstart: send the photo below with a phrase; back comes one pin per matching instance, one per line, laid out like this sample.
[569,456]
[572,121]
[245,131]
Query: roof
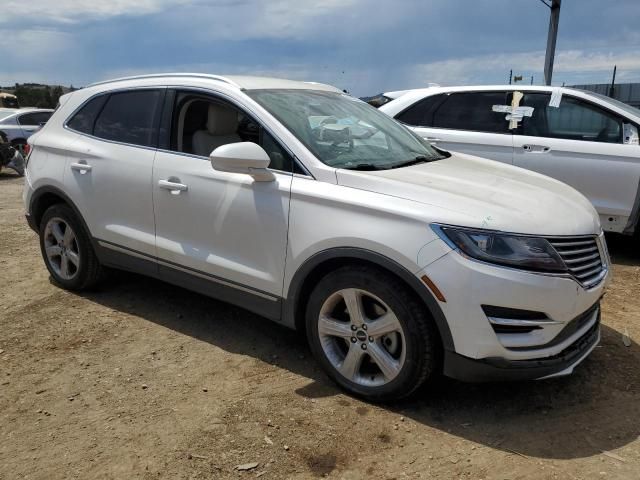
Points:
[243,82]
[7,94]
[428,91]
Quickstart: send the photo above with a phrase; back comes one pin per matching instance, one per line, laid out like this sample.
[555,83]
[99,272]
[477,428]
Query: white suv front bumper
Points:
[568,331]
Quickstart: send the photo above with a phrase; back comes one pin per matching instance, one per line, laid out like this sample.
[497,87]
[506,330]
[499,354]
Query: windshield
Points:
[344,132]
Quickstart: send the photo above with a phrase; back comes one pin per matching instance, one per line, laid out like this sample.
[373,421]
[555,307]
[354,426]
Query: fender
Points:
[292,318]
[35,209]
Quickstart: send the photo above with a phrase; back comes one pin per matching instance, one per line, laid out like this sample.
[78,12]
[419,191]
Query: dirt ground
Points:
[143,380]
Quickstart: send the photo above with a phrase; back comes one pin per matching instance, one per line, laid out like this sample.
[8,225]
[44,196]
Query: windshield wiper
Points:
[414,161]
[362,166]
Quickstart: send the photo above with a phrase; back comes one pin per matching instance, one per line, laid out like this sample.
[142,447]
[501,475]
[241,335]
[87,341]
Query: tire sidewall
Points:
[387,290]
[84,246]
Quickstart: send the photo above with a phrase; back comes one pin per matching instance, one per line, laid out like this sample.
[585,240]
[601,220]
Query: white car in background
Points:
[19,124]
[581,138]
[313,209]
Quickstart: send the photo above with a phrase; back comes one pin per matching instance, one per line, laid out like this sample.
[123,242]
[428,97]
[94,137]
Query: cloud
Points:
[74,11]
[569,66]
[364,46]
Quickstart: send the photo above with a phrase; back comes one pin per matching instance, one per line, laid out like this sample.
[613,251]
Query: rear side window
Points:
[420,114]
[34,118]
[472,111]
[130,117]
[574,119]
[84,120]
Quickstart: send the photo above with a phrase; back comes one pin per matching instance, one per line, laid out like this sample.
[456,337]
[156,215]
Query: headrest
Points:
[222,120]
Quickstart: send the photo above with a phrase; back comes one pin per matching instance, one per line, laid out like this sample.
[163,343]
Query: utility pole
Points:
[613,81]
[551,39]
[510,76]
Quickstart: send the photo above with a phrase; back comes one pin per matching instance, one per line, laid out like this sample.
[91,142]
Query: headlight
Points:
[518,251]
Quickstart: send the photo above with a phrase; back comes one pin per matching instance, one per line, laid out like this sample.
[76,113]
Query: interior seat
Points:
[222,128]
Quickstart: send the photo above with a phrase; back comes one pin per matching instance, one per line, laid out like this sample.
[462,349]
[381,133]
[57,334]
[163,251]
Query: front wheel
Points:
[371,335]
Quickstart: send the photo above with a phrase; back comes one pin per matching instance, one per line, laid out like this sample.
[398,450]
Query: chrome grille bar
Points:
[582,256]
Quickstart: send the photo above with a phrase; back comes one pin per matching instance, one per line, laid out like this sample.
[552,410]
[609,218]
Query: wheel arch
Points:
[46,196]
[321,263]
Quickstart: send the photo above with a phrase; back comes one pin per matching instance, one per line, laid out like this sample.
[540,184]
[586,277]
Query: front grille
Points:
[582,257]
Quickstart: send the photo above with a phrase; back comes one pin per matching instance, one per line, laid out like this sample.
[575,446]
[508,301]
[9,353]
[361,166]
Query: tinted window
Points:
[472,111]
[129,117]
[420,114]
[35,118]
[573,120]
[84,120]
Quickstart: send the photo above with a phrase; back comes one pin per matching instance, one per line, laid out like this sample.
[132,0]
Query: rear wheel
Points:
[371,335]
[67,250]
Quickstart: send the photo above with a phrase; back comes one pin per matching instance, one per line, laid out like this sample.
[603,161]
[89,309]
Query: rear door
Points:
[581,144]
[463,122]
[109,167]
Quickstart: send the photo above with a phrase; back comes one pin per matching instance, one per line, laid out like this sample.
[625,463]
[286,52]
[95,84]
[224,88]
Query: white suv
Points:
[313,209]
[582,138]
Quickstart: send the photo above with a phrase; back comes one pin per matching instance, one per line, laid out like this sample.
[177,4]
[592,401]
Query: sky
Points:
[364,46]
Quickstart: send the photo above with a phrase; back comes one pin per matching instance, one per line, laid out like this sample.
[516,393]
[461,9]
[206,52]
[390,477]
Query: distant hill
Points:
[37,94]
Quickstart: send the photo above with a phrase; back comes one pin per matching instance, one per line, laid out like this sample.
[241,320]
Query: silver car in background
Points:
[19,124]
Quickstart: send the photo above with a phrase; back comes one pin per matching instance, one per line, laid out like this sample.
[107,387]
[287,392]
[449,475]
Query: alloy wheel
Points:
[361,337]
[61,248]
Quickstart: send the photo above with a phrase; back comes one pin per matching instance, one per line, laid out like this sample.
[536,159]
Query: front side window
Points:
[472,111]
[201,123]
[130,117]
[574,119]
[344,132]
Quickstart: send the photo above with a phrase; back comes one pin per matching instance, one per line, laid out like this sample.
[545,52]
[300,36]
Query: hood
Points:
[474,192]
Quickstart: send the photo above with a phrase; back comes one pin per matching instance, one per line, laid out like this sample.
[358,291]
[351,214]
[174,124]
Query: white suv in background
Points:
[582,138]
[313,209]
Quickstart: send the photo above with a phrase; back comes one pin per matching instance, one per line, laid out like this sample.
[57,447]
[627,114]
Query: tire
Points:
[368,362]
[68,254]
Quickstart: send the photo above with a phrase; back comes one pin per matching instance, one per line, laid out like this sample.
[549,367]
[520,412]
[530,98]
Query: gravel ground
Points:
[140,379]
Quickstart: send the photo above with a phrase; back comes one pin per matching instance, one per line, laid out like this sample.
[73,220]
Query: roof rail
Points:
[161,75]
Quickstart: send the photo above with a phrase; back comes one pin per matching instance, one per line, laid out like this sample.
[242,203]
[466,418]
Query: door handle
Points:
[173,185]
[81,167]
[536,148]
[433,139]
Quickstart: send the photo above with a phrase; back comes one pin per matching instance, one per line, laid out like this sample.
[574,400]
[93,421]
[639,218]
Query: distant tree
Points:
[45,100]
[33,95]
[56,94]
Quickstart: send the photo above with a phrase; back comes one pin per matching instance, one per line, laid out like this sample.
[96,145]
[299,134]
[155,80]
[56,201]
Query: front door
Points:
[222,228]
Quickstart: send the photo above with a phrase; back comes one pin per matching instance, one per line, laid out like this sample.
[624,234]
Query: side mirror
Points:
[243,157]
